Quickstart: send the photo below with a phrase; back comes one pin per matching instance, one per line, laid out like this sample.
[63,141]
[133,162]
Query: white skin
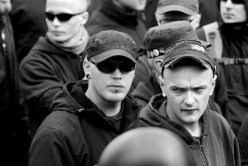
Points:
[66,33]
[232,13]
[188,90]
[137,5]
[107,90]
[5,6]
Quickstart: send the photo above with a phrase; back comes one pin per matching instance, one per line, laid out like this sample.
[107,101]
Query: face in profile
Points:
[111,79]
[188,89]
[65,19]
[5,6]
[138,5]
[233,11]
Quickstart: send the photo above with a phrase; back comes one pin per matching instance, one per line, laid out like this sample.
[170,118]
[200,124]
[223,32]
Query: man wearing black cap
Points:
[88,114]
[156,41]
[188,80]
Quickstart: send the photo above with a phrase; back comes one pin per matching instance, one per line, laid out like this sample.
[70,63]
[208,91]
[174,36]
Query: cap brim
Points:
[196,57]
[170,8]
[111,53]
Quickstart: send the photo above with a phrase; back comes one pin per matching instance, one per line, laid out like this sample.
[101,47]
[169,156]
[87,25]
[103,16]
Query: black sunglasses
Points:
[62,17]
[109,67]
[236,1]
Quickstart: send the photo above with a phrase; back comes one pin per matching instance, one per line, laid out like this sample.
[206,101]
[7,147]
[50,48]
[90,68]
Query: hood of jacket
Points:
[72,99]
[150,116]
[44,45]
[145,91]
[121,15]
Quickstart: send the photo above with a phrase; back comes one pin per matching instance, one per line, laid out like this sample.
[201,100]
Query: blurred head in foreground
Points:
[148,146]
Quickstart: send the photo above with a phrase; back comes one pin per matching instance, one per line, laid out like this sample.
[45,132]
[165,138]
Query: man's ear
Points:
[85,17]
[158,64]
[86,65]
[162,85]
[213,83]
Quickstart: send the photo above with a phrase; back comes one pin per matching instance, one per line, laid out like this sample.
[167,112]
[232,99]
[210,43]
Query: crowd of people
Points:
[124,82]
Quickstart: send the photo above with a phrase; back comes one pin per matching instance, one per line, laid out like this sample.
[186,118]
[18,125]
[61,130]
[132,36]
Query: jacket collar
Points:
[120,15]
[151,115]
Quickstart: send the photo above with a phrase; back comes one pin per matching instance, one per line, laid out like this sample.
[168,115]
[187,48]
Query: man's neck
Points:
[76,44]
[195,129]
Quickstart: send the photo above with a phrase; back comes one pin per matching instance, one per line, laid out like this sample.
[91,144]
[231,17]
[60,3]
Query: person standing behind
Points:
[28,21]
[88,114]
[119,15]
[167,11]
[14,131]
[188,80]
[54,59]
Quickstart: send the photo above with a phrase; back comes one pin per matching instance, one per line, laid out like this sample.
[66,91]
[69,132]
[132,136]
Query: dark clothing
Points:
[111,17]
[148,15]
[14,136]
[235,45]
[42,74]
[76,132]
[234,65]
[145,90]
[209,11]
[217,146]
[28,20]
[142,71]
[243,141]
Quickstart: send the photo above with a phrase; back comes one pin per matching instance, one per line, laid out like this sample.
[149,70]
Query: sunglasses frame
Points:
[61,17]
[116,67]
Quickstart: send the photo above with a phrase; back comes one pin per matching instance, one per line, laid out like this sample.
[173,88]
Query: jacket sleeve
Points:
[39,83]
[50,148]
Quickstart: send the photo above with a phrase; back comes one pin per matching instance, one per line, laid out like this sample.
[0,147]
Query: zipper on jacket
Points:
[203,156]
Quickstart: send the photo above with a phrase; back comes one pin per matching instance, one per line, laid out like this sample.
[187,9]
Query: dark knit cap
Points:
[106,44]
[158,39]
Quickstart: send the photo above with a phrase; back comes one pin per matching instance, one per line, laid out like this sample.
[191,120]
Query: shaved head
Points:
[70,6]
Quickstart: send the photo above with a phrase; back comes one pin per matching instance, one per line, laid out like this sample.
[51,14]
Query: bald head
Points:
[147,147]
[69,6]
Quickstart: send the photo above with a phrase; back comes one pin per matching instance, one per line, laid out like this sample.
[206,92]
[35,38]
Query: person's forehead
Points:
[187,76]
[70,6]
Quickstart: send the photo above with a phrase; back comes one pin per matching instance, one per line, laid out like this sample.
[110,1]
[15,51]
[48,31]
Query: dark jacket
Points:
[145,90]
[14,131]
[217,146]
[77,131]
[111,17]
[28,20]
[234,64]
[243,141]
[42,74]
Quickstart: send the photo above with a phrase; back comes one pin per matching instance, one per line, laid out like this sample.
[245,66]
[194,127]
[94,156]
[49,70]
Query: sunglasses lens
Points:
[64,17]
[110,67]
[49,16]
[127,67]
[106,67]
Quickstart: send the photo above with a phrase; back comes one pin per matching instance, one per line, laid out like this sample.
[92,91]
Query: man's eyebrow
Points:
[184,87]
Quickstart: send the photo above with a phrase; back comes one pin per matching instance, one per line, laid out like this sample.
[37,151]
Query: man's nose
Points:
[55,21]
[117,74]
[189,99]
[229,4]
